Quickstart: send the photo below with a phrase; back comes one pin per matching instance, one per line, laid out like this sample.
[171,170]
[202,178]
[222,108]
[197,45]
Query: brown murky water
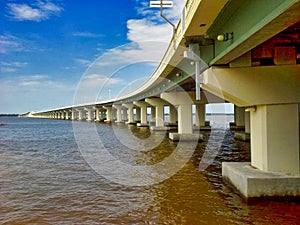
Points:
[45,180]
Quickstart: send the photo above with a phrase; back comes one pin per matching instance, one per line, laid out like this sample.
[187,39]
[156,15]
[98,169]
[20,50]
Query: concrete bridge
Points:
[251,53]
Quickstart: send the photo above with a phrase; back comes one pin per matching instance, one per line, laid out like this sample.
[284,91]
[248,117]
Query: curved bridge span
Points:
[243,52]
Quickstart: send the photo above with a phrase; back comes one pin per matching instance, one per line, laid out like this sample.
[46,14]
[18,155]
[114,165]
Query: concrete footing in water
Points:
[253,183]
[163,128]
[202,128]
[185,137]
[241,135]
[233,126]
[142,125]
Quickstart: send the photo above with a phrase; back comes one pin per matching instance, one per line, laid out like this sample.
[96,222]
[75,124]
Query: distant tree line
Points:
[13,115]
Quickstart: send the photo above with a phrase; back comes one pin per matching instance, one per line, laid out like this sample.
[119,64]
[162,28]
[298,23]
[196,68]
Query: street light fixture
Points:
[160,4]
[164,4]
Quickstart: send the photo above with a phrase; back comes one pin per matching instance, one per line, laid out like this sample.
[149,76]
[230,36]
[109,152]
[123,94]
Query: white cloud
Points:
[31,83]
[87,34]
[83,62]
[96,79]
[49,7]
[38,11]
[10,43]
[31,91]
[141,30]
[149,36]
[11,66]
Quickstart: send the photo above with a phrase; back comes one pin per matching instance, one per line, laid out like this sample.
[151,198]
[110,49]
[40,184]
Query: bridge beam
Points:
[266,21]
[277,84]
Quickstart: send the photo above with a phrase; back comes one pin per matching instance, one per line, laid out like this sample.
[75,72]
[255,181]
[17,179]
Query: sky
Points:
[52,50]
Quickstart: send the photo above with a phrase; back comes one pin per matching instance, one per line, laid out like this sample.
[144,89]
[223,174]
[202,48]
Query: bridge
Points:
[246,52]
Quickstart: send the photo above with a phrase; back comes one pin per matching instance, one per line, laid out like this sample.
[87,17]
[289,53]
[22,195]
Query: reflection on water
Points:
[45,180]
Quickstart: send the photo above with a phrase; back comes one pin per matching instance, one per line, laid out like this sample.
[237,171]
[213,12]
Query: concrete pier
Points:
[253,183]
[119,113]
[130,115]
[200,122]
[159,113]
[142,113]
[108,114]
[275,164]
[183,103]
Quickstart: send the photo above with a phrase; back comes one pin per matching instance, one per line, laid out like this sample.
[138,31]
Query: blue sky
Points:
[55,53]
[47,47]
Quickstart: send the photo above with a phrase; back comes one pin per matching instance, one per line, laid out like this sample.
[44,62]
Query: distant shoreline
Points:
[9,115]
[219,114]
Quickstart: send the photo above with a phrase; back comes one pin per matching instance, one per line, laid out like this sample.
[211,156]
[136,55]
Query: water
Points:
[45,180]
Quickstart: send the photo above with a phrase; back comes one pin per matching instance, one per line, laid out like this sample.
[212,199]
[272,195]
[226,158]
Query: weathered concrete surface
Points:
[186,137]
[243,136]
[254,183]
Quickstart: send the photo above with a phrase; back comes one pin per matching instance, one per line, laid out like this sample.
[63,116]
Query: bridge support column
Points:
[158,103]
[138,114]
[102,114]
[130,117]
[124,114]
[173,115]
[274,168]
[244,135]
[201,124]
[185,122]
[153,116]
[90,112]
[119,113]
[73,114]
[143,113]
[239,118]
[67,115]
[97,114]
[80,114]
[108,114]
